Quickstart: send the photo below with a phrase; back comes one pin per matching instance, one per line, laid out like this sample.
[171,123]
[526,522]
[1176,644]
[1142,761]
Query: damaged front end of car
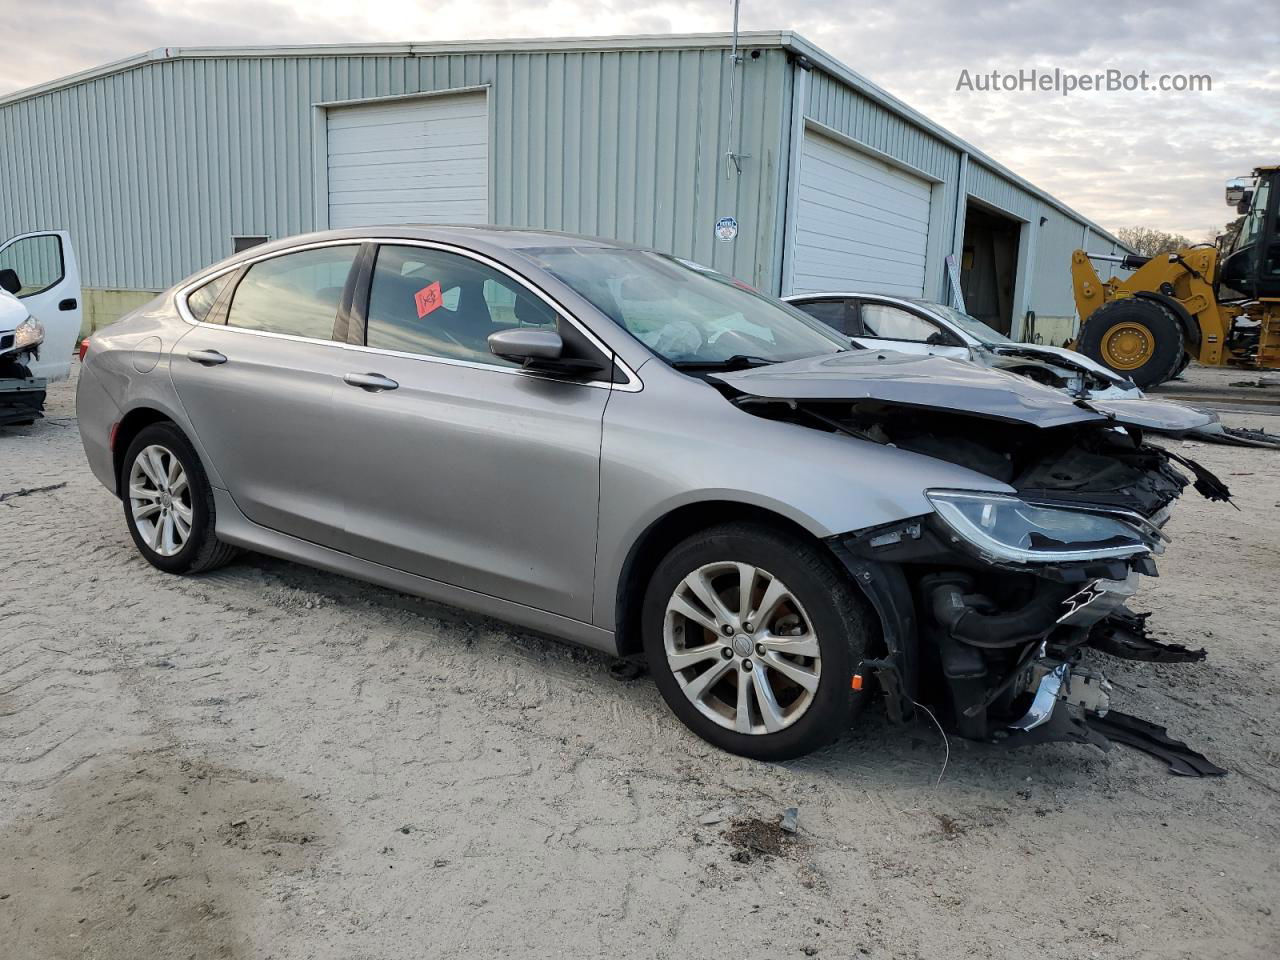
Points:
[989,602]
[21,395]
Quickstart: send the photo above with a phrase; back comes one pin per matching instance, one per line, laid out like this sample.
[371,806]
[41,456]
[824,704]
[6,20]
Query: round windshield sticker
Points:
[726,228]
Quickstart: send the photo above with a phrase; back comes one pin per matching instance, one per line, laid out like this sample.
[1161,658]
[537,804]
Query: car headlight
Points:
[29,333]
[1010,530]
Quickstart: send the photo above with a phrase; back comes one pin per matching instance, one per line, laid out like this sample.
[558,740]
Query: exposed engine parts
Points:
[1010,591]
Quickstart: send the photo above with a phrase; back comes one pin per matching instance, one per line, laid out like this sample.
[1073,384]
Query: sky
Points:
[1156,159]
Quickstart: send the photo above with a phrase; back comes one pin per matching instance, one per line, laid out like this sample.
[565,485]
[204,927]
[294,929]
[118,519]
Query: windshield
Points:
[970,325]
[687,314]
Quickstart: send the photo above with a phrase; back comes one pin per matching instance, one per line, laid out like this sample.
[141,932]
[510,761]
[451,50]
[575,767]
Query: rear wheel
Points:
[1136,338]
[752,636]
[168,503]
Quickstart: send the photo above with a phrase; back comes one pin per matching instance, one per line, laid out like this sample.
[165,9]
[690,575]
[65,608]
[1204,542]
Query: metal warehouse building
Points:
[170,160]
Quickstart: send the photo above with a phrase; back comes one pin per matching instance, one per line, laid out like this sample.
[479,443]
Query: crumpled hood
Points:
[12,312]
[939,383]
[1061,355]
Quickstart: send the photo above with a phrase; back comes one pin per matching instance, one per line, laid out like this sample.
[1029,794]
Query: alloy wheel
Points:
[160,500]
[742,647]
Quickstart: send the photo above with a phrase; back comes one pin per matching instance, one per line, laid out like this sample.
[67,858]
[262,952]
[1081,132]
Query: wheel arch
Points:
[130,425]
[1190,329]
[662,535]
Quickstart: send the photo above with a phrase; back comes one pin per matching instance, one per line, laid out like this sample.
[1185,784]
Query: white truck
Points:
[40,314]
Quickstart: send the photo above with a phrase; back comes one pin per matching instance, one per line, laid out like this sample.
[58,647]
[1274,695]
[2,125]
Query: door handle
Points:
[67,304]
[372,382]
[206,358]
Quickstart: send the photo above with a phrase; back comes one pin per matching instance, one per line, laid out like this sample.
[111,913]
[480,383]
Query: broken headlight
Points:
[1006,529]
[28,334]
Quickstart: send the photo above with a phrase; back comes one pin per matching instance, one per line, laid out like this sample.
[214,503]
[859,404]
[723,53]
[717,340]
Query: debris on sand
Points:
[719,815]
[752,836]
[790,820]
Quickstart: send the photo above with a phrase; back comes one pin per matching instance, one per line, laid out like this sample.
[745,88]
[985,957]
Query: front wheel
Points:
[752,636]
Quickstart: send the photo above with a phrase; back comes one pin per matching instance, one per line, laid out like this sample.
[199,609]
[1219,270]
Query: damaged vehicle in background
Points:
[926,328]
[636,453]
[21,394]
[39,320]
[876,321]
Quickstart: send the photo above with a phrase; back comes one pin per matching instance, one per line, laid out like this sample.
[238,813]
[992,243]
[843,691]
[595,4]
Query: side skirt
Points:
[235,528]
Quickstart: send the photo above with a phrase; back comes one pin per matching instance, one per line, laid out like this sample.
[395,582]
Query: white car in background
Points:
[40,314]
[880,322]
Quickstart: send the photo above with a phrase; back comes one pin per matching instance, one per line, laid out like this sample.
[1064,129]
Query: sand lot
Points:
[273,762]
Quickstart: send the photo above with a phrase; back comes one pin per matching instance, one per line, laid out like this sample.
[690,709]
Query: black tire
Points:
[1166,350]
[838,614]
[202,549]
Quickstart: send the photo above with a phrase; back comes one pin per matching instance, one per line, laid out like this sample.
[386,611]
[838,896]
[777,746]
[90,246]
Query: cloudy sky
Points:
[1155,159]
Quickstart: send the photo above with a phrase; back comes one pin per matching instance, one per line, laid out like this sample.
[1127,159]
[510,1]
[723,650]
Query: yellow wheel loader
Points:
[1188,305]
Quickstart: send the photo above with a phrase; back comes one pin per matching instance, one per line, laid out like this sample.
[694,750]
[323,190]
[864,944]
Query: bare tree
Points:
[1151,243]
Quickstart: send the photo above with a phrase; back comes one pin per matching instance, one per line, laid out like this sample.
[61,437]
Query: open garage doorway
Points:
[989,266]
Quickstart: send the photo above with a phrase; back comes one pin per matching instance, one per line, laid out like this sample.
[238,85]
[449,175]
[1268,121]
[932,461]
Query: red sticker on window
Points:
[427,299]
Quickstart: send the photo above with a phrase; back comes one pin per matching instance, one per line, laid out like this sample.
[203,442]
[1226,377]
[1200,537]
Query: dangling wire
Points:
[945,742]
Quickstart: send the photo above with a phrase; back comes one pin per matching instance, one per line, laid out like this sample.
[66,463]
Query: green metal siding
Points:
[155,168]
[845,110]
[155,164]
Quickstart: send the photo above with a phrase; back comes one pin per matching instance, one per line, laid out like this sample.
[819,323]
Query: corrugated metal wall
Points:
[154,169]
[1051,273]
[1056,239]
[837,106]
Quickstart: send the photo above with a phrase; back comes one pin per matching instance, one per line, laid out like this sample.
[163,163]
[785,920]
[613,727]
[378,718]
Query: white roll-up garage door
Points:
[862,224]
[410,161]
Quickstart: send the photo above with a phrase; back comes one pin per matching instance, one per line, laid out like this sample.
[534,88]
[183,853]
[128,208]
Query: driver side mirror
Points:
[938,339]
[541,350]
[9,281]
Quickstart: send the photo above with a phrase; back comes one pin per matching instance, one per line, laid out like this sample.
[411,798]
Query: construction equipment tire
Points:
[1136,338]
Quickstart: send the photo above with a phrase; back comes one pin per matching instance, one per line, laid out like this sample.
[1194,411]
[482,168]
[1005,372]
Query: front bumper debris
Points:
[1124,634]
[1074,704]
[21,400]
[1156,741]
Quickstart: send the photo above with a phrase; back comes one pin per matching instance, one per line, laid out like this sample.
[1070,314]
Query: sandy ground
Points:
[274,762]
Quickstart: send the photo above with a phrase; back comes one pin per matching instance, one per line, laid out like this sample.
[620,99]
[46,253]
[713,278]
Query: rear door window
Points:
[893,323]
[296,294]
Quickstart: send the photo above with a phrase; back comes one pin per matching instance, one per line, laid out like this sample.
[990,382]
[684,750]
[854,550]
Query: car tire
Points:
[823,613]
[159,495]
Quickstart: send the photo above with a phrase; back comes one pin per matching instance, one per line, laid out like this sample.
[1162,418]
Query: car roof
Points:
[507,238]
[491,240]
[860,294]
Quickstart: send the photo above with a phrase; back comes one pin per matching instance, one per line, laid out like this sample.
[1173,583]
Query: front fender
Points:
[666,450]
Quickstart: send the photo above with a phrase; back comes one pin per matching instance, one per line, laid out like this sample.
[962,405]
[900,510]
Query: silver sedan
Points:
[636,453]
